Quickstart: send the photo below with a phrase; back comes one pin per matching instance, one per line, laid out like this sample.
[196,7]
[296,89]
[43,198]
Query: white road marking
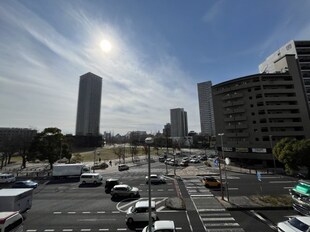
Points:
[31,230]
[71,212]
[85,212]
[210,210]
[85,229]
[219,219]
[104,229]
[287,187]
[203,195]
[67,230]
[233,188]
[221,224]
[101,212]
[282,182]
[49,230]
[57,212]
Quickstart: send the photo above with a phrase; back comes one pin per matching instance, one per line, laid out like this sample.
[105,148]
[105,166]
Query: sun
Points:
[105,45]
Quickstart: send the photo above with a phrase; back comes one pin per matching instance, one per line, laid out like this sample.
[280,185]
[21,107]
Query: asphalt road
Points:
[66,206]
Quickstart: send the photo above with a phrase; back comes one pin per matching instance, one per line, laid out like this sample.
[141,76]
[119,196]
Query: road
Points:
[67,206]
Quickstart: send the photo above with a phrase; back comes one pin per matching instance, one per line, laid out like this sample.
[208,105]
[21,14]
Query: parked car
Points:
[184,163]
[160,226]
[294,224]
[204,158]
[161,159]
[194,160]
[110,183]
[211,182]
[25,184]
[124,190]
[167,160]
[7,178]
[140,212]
[155,179]
[123,167]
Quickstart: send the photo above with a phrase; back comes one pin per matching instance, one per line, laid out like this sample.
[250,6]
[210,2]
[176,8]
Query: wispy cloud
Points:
[213,12]
[42,79]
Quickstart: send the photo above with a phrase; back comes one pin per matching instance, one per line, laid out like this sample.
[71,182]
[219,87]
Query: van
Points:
[11,222]
[140,212]
[7,178]
[91,178]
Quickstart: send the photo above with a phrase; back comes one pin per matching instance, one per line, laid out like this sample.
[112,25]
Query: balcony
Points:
[232,96]
[240,118]
[238,103]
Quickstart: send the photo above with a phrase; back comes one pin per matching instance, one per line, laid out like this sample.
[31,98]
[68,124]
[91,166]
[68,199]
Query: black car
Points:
[123,167]
[25,184]
[110,183]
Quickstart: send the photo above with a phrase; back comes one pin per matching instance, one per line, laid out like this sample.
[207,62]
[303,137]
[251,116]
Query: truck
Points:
[301,197]
[69,170]
[16,199]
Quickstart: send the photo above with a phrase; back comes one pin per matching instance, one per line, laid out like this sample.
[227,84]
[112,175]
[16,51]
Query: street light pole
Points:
[223,157]
[149,141]
[274,161]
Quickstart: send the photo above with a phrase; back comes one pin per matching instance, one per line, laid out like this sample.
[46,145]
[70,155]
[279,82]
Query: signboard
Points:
[259,150]
[227,149]
[259,176]
[216,162]
[242,149]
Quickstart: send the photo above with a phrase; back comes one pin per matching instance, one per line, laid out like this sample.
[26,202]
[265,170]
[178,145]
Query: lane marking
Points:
[67,230]
[57,212]
[282,182]
[219,219]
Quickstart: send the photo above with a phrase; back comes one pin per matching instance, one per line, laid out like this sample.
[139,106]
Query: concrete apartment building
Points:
[89,103]
[256,111]
[178,121]
[301,50]
[207,123]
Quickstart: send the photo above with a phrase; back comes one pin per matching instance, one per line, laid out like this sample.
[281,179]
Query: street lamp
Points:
[149,141]
[274,161]
[223,157]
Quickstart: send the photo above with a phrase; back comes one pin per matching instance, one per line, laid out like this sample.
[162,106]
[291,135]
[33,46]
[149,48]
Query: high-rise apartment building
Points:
[254,112]
[89,103]
[178,118]
[301,50]
[206,108]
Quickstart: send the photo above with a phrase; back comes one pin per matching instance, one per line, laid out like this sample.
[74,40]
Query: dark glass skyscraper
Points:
[89,103]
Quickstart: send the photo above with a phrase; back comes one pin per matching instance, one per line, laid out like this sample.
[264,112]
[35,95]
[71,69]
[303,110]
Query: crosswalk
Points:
[213,215]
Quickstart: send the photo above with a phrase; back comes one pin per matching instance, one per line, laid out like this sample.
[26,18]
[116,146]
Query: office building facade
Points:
[301,50]
[89,104]
[207,123]
[178,121]
[254,112]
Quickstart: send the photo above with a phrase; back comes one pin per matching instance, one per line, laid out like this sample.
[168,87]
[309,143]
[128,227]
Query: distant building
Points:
[207,123]
[21,135]
[89,103]
[301,50]
[254,112]
[178,118]
[167,130]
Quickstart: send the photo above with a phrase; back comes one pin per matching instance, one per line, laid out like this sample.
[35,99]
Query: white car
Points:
[155,179]
[124,190]
[161,225]
[295,224]
[140,212]
[7,178]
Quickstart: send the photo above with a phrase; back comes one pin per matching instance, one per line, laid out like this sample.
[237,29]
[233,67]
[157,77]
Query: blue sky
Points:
[160,50]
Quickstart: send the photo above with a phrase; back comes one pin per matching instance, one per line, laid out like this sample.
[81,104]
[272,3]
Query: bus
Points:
[11,222]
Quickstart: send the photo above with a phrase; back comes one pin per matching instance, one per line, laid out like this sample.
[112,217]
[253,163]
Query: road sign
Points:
[216,162]
[259,176]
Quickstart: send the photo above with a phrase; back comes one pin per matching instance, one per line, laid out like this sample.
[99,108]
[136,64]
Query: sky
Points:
[160,50]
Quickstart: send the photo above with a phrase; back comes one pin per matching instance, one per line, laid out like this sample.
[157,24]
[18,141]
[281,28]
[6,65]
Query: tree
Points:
[47,145]
[303,149]
[119,151]
[286,151]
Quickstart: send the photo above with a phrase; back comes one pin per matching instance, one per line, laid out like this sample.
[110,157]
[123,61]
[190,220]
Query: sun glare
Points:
[105,45]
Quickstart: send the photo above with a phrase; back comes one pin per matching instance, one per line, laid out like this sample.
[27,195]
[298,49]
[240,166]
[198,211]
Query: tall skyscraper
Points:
[178,118]
[89,103]
[301,50]
[206,108]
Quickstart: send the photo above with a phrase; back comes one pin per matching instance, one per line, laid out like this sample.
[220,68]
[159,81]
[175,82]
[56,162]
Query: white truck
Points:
[15,199]
[66,170]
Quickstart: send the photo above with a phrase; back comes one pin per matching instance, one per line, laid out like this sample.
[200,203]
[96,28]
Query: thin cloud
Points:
[213,12]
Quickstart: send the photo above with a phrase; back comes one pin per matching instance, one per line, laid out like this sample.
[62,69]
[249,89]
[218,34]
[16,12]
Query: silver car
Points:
[155,179]
[124,190]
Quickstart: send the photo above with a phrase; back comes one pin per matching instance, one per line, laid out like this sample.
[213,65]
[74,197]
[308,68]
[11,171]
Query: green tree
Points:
[286,151]
[303,149]
[47,145]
